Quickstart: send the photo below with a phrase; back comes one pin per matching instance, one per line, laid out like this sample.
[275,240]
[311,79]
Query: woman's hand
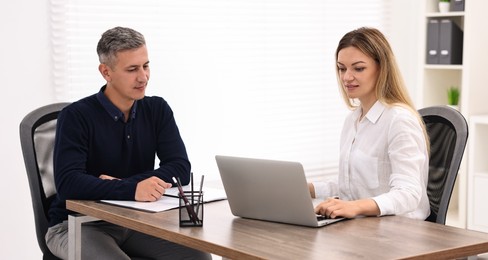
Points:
[311,188]
[334,207]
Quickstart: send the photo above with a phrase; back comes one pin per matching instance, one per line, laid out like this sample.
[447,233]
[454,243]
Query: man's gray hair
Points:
[115,40]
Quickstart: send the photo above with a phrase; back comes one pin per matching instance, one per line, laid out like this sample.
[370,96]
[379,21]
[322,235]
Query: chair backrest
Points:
[37,132]
[448,133]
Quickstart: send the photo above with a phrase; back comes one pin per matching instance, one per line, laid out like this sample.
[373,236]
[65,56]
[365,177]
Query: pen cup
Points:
[191,209]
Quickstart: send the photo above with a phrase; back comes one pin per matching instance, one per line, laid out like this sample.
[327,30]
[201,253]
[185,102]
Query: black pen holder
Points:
[191,209]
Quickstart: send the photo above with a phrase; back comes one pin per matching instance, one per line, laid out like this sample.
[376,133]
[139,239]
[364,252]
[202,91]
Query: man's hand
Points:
[151,189]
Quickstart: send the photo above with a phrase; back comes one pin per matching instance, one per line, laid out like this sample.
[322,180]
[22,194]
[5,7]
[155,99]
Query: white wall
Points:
[25,71]
[404,39]
[25,76]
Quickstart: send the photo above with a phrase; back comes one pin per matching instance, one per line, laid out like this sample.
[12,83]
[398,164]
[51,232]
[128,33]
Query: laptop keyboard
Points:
[320,217]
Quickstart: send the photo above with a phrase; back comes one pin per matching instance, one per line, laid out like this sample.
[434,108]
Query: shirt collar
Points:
[373,114]
[111,109]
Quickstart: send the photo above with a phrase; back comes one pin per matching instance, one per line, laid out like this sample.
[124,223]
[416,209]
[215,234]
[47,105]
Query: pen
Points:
[191,182]
[189,209]
[200,197]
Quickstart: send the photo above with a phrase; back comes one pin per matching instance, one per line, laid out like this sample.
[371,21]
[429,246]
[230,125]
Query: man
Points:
[105,149]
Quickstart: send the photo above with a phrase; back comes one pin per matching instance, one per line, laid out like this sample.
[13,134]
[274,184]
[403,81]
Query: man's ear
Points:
[105,71]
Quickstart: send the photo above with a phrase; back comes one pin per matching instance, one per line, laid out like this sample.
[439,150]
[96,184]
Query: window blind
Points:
[251,78]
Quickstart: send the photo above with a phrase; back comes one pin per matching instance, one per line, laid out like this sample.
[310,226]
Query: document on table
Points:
[169,200]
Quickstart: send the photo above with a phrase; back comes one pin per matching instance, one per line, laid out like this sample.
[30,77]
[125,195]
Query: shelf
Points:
[443,66]
[447,14]
[436,79]
[468,207]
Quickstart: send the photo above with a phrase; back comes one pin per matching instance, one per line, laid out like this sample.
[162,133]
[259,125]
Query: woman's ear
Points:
[105,71]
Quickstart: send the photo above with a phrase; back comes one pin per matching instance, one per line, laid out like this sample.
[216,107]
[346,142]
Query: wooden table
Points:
[389,237]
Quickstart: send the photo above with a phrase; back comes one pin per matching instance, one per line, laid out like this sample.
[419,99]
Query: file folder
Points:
[433,41]
[450,43]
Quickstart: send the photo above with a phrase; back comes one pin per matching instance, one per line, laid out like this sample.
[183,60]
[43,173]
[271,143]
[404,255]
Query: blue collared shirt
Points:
[92,138]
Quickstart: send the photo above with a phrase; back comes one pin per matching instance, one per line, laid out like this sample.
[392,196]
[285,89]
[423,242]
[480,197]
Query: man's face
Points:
[127,79]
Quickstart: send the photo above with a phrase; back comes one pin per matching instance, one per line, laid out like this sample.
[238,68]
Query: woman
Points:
[383,167]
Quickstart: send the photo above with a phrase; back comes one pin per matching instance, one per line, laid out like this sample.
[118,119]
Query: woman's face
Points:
[358,74]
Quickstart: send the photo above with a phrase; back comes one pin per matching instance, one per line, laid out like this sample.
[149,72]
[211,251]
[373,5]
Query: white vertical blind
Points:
[250,78]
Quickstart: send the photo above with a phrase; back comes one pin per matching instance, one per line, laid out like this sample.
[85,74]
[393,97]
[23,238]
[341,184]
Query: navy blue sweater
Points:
[92,139]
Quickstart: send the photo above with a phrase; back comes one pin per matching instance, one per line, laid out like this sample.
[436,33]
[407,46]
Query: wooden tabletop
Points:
[390,237]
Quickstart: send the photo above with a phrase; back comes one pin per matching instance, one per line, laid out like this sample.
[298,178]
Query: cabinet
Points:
[437,78]
[470,77]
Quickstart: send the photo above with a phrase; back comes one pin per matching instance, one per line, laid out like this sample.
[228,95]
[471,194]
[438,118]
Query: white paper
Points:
[167,202]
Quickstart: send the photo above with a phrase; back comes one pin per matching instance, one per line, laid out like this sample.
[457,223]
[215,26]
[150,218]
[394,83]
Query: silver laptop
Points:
[269,190]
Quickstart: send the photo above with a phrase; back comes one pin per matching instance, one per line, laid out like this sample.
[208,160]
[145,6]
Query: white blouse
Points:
[384,157]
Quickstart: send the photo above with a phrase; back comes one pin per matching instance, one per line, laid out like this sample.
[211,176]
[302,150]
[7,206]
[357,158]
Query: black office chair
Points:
[37,131]
[448,133]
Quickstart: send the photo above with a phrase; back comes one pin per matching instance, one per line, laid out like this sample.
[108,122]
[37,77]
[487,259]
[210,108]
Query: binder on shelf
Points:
[433,30]
[450,42]
[457,5]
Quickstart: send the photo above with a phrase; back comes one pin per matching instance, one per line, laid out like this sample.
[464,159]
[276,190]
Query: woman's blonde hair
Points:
[390,87]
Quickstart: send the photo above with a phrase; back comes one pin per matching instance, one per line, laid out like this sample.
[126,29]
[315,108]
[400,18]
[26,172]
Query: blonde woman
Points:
[383,167]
